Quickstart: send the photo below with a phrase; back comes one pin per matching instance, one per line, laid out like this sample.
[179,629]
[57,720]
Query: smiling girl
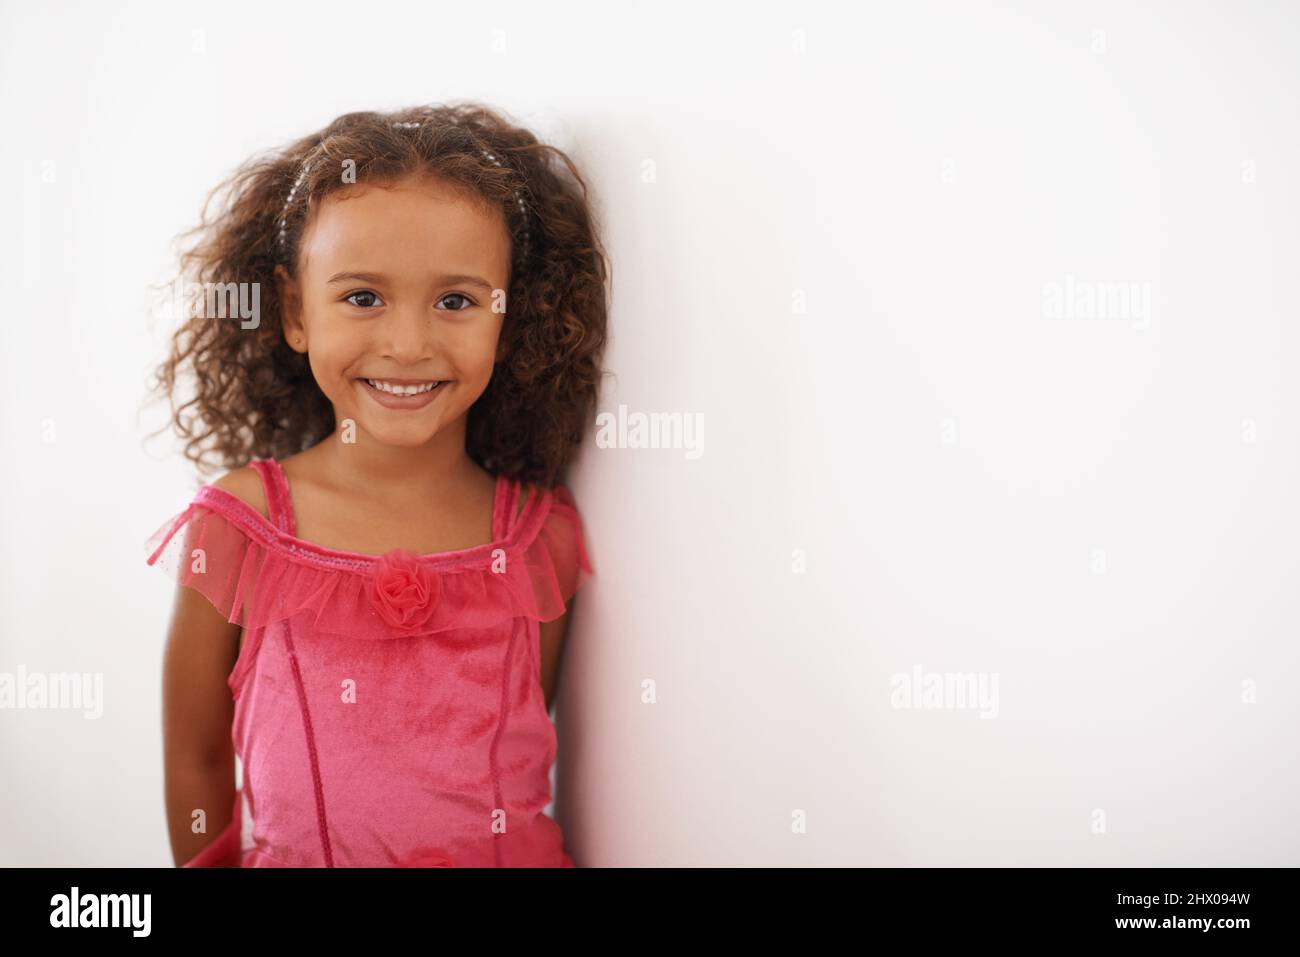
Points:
[372,599]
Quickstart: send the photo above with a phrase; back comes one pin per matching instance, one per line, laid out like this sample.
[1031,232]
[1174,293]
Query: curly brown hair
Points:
[254,397]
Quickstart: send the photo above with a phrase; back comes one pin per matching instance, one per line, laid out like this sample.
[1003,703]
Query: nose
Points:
[406,333]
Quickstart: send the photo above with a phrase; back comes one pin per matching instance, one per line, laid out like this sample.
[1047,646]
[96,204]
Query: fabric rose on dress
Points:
[403,591]
[429,857]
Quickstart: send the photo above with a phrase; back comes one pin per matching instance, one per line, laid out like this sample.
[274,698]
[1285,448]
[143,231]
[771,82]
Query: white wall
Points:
[842,266]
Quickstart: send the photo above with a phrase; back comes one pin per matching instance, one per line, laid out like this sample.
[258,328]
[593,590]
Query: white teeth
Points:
[383,386]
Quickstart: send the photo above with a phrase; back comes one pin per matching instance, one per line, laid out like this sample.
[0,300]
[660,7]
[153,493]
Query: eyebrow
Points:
[377,278]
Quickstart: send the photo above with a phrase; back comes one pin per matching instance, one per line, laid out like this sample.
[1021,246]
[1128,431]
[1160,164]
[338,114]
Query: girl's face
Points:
[395,292]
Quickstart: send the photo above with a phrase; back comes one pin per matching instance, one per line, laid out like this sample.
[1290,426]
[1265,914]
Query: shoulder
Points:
[245,484]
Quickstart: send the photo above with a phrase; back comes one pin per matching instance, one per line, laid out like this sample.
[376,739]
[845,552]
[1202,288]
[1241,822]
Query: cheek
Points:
[333,352]
[473,354]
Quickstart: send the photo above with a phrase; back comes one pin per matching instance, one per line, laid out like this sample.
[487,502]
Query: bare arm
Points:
[198,710]
[198,756]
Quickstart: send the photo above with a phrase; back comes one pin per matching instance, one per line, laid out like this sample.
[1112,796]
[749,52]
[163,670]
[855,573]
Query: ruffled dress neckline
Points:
[256,571]
[280,529]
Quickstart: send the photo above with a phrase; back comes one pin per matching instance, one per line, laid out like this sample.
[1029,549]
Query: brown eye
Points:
[364,292]
[456,295]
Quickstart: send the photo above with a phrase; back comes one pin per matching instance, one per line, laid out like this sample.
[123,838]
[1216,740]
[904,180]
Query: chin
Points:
[405,437]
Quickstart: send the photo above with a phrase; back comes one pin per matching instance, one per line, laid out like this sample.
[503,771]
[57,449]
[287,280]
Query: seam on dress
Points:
[322,823]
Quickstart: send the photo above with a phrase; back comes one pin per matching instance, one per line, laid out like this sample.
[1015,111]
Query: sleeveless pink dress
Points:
[388,709]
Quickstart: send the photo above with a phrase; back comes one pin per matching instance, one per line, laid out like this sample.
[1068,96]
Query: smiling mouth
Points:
[403,387]
[403,394]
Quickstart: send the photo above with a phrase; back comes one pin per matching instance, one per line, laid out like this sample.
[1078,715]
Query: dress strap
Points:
[504,508]
[279,505]
[506,515]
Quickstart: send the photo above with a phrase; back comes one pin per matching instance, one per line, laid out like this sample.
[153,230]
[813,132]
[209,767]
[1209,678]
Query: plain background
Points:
[832,230]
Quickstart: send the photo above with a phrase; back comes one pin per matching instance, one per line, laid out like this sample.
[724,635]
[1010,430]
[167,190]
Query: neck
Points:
[423,470]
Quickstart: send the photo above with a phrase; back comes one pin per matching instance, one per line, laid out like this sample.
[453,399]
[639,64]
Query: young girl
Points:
[373,599]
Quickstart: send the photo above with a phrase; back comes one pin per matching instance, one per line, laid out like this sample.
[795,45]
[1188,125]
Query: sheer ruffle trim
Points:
[255,574]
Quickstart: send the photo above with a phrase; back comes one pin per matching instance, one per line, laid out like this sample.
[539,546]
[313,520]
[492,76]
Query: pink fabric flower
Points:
[403,591]
[429,857]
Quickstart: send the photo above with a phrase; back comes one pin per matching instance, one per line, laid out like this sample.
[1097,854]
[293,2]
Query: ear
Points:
[291,324]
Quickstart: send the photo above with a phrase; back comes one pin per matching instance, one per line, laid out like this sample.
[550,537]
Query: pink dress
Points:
[388,709]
